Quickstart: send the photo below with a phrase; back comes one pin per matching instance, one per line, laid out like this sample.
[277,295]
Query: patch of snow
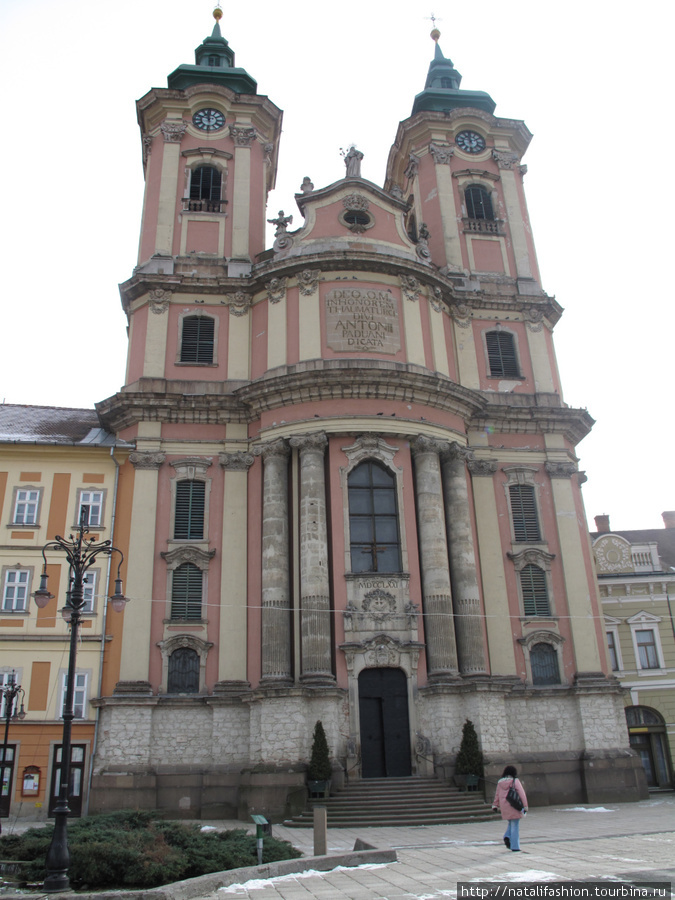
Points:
[586,809]
[530,875]
[257,884]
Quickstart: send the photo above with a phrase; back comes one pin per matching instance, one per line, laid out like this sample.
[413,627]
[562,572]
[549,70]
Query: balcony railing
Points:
[208,206]
[482,226]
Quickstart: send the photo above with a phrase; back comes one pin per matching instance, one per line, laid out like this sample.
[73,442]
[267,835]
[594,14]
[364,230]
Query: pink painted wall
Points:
[202,237]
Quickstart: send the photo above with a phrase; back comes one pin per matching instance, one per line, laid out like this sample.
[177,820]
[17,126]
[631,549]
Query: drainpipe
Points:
[103,627]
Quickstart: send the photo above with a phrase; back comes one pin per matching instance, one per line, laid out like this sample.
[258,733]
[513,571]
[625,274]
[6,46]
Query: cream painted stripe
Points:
[233,580]
[241,202]
[413,331]
[276,333]
[310,326]
[467,359]
[446,196]
[440,350]
[584,636]
[516,224]
[154,360]
[541,363]
[238,347]
[166,212]
[134,661]
[495,595]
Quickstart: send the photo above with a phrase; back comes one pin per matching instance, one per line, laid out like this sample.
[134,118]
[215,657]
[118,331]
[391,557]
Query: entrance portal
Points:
[385,727]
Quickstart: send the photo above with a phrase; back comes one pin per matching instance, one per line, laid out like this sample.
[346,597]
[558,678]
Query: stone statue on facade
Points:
[353,159]
[282,222]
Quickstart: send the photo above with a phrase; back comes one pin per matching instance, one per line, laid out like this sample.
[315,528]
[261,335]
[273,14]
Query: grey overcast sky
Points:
[592,81]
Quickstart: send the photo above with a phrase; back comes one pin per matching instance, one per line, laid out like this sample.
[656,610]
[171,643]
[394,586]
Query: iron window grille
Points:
[544,664]
[183,675]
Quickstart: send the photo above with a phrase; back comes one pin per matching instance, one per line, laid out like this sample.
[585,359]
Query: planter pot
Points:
[318,789]
[467,782]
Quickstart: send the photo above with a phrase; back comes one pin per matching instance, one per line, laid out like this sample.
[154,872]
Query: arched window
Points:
[189,517]
[544,664]
[501,351]
[186,592]
[197,339]
[535,592]
[373,519]
[205,189]
[183,672]
[478,203]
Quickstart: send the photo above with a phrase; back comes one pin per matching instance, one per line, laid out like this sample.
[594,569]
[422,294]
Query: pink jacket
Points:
[502,804]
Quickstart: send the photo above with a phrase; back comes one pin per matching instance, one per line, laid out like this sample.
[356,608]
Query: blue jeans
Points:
[512,833]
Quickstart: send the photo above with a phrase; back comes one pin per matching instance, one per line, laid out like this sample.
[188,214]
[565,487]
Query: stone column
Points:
[172,131]
[514,210]
[463,576]
[243,135]
[135,660]
[314,584]
[276,596]
[436,593]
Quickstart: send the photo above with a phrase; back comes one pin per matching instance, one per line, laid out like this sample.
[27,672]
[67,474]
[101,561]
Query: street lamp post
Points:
[9,694]
[81,553]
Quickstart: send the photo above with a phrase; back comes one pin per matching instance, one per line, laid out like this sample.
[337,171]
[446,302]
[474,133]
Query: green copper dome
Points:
[214,65]
[441,91]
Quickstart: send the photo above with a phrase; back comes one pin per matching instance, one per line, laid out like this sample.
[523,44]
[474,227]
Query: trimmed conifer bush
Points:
[319,764]
[137,849]
[469,759]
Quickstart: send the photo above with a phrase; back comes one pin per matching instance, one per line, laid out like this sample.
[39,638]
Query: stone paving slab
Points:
[630,842]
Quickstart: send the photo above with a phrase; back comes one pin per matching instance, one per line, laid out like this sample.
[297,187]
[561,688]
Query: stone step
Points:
[397,801]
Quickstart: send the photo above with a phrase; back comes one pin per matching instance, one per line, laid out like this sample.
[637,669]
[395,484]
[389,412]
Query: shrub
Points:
[469,759]
[319,764]
[138,849]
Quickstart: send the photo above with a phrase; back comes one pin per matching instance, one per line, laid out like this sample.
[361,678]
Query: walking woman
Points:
[509,813]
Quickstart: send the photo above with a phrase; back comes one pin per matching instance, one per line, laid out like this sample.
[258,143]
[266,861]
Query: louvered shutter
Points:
[186,592]
[535,592]
[502,354]
[524,513]
[189,514]
[478,203]
[197,339]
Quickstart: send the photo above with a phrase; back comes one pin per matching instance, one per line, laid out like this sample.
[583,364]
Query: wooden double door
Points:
[385,723]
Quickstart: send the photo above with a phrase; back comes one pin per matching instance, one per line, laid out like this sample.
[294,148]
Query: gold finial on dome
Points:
[217,14]
[435,34]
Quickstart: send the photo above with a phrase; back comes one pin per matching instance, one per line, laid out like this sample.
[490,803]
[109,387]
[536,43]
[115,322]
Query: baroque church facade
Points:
[353,494]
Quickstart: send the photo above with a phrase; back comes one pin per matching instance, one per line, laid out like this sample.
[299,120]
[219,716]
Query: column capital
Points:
[482,467]
[243,135]
[505,159]
[308,281]
[173,131]
[159,300]
[238,461]
[279,447]
[147,459]
[453,450]
[441,153]
[560,469]
[423,444]
[315,441]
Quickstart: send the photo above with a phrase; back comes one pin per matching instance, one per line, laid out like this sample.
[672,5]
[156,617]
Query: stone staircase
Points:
[381,802]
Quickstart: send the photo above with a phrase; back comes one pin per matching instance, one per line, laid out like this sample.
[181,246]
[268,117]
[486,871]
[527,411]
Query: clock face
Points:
[209,119]
[470,142]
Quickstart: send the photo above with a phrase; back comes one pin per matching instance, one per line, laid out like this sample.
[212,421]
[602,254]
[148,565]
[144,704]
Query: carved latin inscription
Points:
[363,320]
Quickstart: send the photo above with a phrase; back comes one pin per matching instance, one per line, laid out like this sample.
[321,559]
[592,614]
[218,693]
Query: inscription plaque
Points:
[363,320]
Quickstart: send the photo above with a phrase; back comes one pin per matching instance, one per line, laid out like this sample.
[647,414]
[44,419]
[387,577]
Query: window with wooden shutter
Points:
[501,350]
[524,513]
[197,339]
[186,592]
[535,591]
[544,664]
[189,513]
[205,183]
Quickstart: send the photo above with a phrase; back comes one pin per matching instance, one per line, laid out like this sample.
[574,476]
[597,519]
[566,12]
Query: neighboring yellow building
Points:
[636,574]
[52,462]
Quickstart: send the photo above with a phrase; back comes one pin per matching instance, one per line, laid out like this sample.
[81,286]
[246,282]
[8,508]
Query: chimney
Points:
[669,519]
[602,523]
